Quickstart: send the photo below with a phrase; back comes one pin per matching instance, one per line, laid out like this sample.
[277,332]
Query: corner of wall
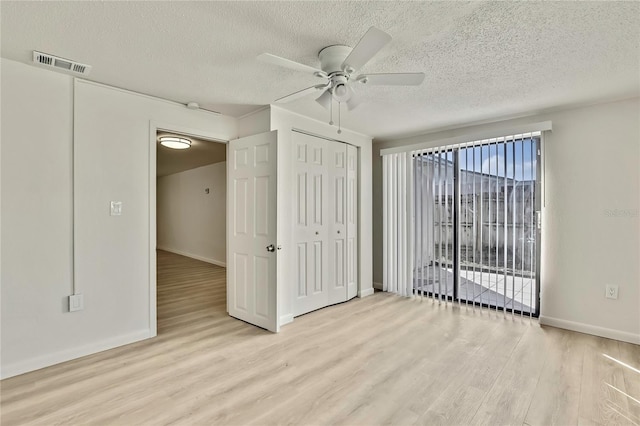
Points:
[255,122]
[365,292]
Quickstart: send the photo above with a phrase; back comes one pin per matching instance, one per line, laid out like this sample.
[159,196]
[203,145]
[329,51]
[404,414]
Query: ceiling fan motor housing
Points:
[332,57]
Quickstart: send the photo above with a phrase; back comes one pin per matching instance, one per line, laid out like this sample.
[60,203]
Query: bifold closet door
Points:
[310,228]
[326,227]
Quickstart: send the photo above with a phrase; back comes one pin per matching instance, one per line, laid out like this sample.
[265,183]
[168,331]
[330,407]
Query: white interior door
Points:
[252,214]
[310,223]
[337,153]
[352,221]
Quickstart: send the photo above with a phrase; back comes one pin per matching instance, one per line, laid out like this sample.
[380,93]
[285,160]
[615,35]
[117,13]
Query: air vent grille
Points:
[43,59]
[61,64]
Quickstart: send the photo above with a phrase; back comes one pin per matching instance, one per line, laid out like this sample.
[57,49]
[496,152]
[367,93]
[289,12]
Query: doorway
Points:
[190,230]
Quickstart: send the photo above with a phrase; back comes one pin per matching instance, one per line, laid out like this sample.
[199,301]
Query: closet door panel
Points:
[337,222]
[311,225]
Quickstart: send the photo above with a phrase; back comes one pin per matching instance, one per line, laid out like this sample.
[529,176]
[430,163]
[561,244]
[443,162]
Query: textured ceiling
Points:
[201,153]
[483,60]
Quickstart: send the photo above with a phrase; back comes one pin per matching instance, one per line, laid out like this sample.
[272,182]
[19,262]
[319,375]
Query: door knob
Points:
[271,248]
[338,231]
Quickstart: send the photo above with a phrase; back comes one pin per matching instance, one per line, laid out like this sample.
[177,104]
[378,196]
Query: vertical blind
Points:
[460,223]
[434,221]
[398,223]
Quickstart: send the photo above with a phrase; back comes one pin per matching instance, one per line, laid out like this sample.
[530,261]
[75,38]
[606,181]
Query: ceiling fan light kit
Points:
[339,64]
[325,99]
[353,101]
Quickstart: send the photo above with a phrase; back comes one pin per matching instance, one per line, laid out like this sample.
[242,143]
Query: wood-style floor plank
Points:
[630,356]
[378,360]
[602,397]
[556,398]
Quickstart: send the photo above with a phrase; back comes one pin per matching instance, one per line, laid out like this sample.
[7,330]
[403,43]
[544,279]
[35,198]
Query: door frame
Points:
[154,127]
[286,121]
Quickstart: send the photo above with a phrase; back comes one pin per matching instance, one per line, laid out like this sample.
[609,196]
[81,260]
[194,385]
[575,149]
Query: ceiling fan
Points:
[339,65]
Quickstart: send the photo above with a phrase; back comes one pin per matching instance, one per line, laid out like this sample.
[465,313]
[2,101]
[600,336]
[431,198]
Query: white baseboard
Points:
[366,292]
[286,319]
[43,361]
[377,286]
[609,333]
[194,256]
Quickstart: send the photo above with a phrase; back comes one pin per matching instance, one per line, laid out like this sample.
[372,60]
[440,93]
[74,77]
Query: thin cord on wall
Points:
[74,289]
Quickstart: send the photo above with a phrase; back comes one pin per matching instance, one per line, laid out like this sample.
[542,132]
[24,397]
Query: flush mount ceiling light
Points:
[174,142]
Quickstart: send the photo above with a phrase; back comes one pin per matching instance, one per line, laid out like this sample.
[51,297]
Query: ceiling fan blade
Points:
[370,44]
[287,63]
[300,94]
[392,79]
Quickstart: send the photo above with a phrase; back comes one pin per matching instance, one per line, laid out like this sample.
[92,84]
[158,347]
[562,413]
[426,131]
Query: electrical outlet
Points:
[76,302]
[611,291]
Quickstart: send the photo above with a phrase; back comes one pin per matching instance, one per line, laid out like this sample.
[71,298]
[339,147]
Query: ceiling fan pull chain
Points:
[339,122]
[331,113]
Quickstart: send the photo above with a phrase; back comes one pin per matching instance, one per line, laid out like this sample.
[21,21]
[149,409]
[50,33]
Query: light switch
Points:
[611,291]
[76,302]
[116,208]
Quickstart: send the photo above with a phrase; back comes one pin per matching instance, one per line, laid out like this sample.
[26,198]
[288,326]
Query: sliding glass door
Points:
[475,224]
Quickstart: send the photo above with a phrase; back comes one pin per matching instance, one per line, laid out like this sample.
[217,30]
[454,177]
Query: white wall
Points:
[74,147]
[255,122]
[592,172]
[284,121]
[47,120]
[191,222]
[37,207]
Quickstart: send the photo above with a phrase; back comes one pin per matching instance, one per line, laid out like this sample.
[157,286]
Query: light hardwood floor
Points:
[378,360]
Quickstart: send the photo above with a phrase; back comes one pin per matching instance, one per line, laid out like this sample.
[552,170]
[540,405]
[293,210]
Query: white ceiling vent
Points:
[60,63]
